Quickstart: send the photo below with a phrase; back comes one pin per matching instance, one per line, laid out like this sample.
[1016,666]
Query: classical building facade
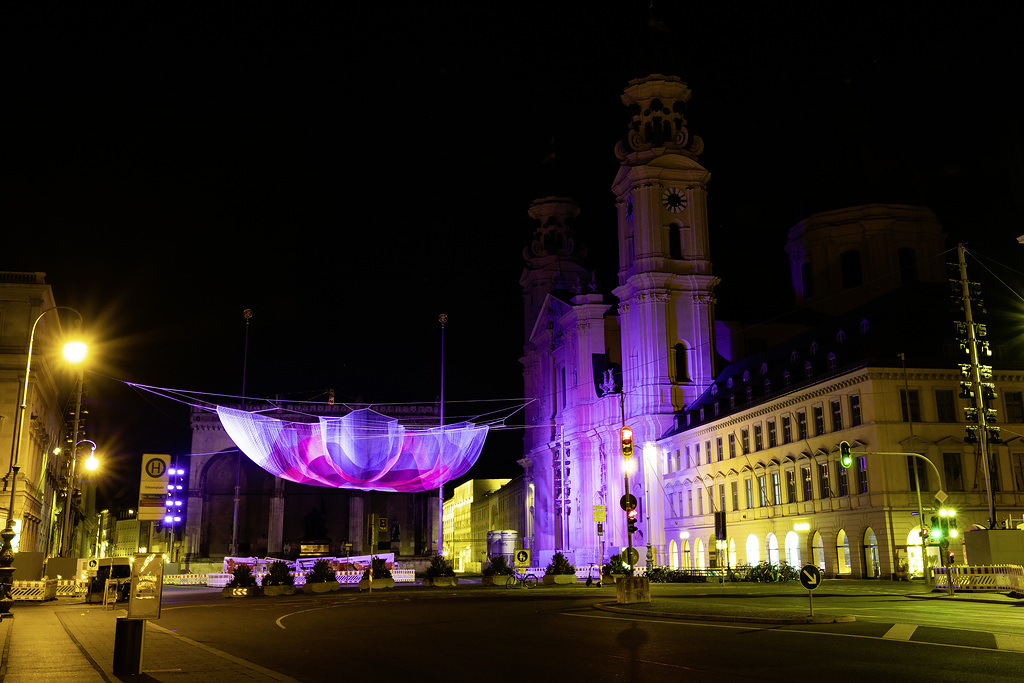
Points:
[43,464]
[745,418]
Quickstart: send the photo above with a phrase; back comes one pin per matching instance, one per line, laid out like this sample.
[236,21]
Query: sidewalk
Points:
[68,640]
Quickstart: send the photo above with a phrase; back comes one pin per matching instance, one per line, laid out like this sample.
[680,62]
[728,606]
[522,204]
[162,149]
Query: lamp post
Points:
[91,464]
[74,352]
[649,450]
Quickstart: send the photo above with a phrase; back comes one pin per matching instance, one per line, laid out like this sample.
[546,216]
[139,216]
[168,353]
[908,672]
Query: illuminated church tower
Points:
[590,365]
[665,287]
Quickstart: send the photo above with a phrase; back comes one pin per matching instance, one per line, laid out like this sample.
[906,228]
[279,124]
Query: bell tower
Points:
[665,286]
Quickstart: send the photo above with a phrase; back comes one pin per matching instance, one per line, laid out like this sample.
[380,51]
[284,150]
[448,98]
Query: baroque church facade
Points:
[745,420]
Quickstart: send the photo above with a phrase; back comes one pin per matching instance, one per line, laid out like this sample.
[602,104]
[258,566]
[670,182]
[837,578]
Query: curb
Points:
[613,607]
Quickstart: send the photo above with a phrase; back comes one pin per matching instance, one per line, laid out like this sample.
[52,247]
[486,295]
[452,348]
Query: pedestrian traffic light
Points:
[845,458]
[626,434]
[631,521]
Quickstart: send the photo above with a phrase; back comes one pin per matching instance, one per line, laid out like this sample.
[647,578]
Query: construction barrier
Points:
[35,590]
[1003,577]
[185,579]
[345,578]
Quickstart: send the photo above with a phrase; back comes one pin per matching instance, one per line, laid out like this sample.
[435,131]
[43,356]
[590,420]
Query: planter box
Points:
[274,591]
[321,587]
[251,592]
[560,579]
[495,580]
[378,584]
[441,581]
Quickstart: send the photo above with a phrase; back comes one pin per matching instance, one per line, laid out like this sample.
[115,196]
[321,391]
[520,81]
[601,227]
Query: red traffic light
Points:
[626,437]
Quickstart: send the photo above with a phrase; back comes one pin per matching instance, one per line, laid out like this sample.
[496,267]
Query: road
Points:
[474,633]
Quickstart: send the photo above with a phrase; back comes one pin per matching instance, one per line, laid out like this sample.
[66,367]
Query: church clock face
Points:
[673,199]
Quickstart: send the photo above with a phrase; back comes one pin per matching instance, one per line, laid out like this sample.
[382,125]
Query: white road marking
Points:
[900,632]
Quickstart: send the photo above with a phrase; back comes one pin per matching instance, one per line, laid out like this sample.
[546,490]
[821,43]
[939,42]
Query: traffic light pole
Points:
[920,511]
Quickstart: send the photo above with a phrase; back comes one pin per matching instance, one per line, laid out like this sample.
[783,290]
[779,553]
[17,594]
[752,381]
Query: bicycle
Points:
[590,579]
[515,580]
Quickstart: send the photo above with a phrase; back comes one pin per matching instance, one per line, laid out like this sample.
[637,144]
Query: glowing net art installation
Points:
[361,450]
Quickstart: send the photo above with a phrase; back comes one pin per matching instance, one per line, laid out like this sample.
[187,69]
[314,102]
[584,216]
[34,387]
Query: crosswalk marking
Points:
[900,632]
[1009,641]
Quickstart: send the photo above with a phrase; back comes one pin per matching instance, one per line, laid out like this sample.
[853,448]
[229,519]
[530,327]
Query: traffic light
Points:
[631,521]
[626,434]
[924,535]
[845,458]
[936,529]
[948,518]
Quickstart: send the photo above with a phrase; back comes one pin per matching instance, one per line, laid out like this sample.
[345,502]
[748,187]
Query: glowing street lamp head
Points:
[75,351]
[92,463]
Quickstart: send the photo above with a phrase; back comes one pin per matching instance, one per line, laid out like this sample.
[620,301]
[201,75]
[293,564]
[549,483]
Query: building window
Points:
[790,486]
[805,473]
[826,490]
[945,405]
[952,464]
[707,451]
[854,410]
[819,420]
[718,449]
[762,491]
[776,489]
[721,497]
[773,439]
[922,472]
[908,265]
[745,440]
[849,265]
[786,379]
[808,370]
[732,445]
[750,493]
[689,503]
[1014,406]
[801,424]
[837,415]
[758,438]
[862,474]
[831,362]
[682,370]
[767,388]
[914,405]
[735,495]
[689,463]
[787,430]
[700,501]
[1017,463]
[844,481]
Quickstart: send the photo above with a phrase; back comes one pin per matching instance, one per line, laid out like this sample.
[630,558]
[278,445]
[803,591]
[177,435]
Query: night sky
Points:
[349,174]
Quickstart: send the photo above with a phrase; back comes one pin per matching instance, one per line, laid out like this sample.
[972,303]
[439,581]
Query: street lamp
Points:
[649,450]
[74,352]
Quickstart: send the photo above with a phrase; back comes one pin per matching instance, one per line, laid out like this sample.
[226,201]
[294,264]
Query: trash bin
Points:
[129,637]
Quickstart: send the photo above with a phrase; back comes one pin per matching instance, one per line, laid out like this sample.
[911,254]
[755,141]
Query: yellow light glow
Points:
[92,463]
[75,351]
[802,526]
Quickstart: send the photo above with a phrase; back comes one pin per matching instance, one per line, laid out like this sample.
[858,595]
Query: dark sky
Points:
[349,174]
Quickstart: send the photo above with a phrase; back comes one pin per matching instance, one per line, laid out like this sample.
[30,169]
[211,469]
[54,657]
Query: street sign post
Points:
[810,578]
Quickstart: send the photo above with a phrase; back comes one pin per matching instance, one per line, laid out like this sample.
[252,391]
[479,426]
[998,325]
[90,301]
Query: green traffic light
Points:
[845,457]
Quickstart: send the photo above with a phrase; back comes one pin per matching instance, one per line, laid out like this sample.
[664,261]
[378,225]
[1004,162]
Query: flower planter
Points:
[560,579]
[274,591]
[441,581]
[321,586]
[250,592]
[494,580]
[378,584]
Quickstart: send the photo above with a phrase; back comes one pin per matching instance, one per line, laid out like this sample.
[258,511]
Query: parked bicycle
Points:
[773,573]
[517,580]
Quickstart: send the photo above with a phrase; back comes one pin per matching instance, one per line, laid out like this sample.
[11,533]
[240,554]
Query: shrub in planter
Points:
[440,573]
[496,573]
[242,583]
[279,580]
[560,570]
[615,567]
[321,578]
[381,575]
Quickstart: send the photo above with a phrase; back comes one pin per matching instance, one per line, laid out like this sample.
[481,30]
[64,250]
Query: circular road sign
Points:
[810,576]
[631,556]
[628,502]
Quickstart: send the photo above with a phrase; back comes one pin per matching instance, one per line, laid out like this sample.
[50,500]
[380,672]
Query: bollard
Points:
[129,638]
